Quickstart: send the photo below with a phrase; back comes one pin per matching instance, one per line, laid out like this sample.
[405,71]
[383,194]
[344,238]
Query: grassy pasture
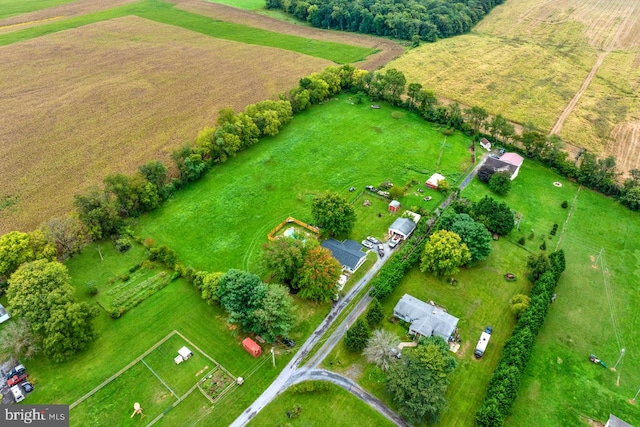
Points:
[335,407]
[113,101]
[176,307]
[527,59]
[243,4]
[221,221]
[17,7]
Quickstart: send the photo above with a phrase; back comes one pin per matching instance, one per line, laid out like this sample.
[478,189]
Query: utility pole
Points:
[273,357]
[634,397]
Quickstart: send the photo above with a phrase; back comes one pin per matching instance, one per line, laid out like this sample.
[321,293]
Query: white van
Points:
[17,393]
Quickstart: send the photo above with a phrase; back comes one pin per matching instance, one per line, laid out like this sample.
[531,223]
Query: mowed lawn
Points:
[332,407]
[222,221]
[243,4]
[176,307]
[596,312]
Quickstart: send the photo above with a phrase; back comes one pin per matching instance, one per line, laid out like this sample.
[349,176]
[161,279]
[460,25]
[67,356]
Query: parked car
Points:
[16,379]
[17,394]
[20,369]
[288,342]
[394,241]
[373,240]
[367,244]
[27,386]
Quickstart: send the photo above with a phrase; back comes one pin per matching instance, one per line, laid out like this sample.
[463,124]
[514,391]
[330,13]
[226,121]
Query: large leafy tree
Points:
[40,292]
[318,275]
[472,233]
[17,248]
[240,294]
[285,256]
[333,213]
[208,284]
[434,354]
[414,389]
[98,212]
[67,233]
[444,253]
[496,216]
[500,183]
[379,348]
[275,316]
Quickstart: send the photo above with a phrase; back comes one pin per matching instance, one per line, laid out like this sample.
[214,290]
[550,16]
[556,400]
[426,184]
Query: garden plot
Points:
[155,381]
[124,292]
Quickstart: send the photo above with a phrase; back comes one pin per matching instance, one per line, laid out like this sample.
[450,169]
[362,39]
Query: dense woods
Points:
[415,20]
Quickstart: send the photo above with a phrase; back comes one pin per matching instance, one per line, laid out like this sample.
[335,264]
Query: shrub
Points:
[521,241]
[543,246]
[135,268]
[310,387]
[565,205]
[375,314]
[123,244]
[125,277]
[356,338]
[500,183]
[92,290]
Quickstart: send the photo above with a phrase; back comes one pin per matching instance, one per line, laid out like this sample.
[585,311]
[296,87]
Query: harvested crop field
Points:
[567,66]
[107,97]
[388,49]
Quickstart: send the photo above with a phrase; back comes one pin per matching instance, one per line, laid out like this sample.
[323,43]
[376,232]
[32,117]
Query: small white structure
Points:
[183,354]
[616,422]
[484,143]
[434,180]
[4,315]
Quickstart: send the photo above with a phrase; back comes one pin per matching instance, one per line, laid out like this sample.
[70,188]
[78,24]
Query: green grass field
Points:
[17,7]
[243,4]
[222,221]
[332,407]
[166,13]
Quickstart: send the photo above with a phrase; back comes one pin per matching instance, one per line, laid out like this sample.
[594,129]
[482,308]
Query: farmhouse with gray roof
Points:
[347,253]
[426,319]
[403,227]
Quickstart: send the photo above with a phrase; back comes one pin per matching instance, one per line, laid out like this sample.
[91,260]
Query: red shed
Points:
[252,347]
[394,206]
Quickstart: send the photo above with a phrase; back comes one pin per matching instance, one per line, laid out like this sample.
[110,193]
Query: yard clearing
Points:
[94,100]
[531,62]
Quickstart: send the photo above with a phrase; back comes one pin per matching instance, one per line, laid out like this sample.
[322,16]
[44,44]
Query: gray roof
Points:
[425,319]
[347,253]
[498,165]
[403,226]
[616,422]
[3,310]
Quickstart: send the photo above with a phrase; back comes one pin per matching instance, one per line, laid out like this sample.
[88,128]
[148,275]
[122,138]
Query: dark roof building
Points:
[347,253]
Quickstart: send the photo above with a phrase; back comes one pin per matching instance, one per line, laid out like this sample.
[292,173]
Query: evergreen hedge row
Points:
[505,381]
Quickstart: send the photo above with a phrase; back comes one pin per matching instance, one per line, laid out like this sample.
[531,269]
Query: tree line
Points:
[415,20]
[504,384]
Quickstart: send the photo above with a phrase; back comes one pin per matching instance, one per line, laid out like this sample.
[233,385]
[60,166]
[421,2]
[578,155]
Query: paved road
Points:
[280,382]
[306,374]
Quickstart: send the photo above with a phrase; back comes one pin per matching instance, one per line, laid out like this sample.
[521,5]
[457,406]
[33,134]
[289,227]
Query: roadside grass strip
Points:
[156,382]
[166,13]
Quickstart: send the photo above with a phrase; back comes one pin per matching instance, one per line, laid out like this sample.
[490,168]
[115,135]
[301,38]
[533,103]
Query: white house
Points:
[513,159]
[426,319]
[434,180]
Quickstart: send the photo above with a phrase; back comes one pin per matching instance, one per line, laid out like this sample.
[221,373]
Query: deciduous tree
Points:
[67,233]
[18,341]
[275,317]
[333,213]
[496,216]
[500,183]
[318,275]
[444,253]
[240,294]
[17,248]
[285,256]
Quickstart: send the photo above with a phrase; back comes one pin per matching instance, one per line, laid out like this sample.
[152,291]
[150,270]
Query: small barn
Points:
[433,181]
[426,319]
[394,206]
[402,227]
[252,347]
[4,315]
[486,144]
[183,354]
[347,253]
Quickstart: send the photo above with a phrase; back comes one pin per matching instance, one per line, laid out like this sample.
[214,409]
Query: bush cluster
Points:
[505,381]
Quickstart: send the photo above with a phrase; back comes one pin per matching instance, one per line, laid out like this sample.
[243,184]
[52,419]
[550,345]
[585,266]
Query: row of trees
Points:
[505,381]
[414,20]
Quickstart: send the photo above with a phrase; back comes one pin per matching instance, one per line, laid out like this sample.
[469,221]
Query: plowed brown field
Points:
[107,97]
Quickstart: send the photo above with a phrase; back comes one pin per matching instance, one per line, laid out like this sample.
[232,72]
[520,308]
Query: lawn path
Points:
[566,221]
